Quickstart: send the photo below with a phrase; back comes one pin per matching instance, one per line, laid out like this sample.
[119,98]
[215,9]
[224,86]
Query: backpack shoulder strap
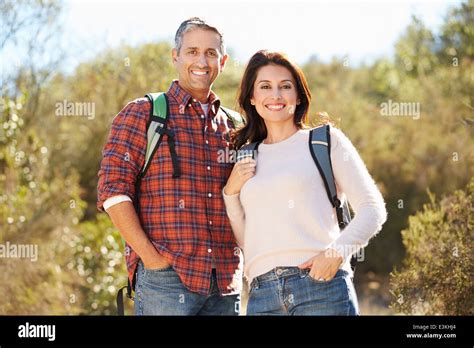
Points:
[156,126]
[249,150]
[236,118]
[320,148]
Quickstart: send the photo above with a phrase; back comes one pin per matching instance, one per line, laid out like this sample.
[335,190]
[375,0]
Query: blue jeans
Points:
[161,292]
[292,291]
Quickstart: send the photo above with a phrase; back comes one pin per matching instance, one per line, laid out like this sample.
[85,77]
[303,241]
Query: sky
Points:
[359,30]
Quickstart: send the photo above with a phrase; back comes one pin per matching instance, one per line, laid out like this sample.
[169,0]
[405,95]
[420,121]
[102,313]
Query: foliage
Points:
[37,205]
[49,161]
[437,274]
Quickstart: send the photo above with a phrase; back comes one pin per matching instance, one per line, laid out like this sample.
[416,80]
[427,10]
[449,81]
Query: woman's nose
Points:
[276,93]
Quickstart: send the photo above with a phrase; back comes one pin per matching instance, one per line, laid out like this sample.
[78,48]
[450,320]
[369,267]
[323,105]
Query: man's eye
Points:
[212,53]
[192,52]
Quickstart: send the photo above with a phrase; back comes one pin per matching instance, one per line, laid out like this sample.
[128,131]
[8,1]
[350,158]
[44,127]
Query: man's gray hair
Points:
[192,23]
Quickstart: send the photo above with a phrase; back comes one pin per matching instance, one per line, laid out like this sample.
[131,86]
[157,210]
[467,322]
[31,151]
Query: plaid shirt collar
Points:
[183,97]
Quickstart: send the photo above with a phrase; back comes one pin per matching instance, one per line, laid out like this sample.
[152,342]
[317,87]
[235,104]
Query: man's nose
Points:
[202,61]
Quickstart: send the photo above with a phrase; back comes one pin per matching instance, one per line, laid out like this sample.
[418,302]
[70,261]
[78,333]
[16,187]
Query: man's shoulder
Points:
[139,107]
[134,113]
[139,103]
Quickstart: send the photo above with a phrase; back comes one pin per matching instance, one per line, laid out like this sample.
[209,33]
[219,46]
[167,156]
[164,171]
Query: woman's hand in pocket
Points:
[324,265]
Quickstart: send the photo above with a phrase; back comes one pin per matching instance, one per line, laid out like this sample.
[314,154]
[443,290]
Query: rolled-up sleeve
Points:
[124,153]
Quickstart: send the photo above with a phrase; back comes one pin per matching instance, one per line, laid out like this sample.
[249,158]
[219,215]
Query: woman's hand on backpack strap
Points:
[241,173]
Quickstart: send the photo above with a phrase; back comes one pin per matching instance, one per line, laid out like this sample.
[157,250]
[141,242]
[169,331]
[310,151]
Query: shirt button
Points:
[189,105]
[209,250]
[207,142]
[279,272]
[202,116]
[194,100]
[210,222]
[208,168]
[209,195]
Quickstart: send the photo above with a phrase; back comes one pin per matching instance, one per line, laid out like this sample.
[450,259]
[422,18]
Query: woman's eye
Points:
[286,87]
[265,87]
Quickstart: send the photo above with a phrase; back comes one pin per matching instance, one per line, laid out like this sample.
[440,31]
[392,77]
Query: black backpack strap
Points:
[120,305]
[130,288]
[320,148]
[249,150]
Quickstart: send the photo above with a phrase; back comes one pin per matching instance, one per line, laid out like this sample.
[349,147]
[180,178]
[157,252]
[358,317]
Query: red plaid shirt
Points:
[185,218]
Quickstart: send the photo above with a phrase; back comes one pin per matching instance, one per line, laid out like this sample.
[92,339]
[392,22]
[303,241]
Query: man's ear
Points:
[174,55]
[223,61]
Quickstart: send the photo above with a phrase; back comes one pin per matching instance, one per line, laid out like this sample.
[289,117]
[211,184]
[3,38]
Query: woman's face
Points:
[275,94]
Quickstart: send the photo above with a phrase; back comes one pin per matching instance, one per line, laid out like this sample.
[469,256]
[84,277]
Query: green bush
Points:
[437,275]
[99,262]
[37,206]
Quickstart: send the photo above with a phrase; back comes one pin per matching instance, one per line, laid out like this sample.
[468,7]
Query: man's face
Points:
[199,61]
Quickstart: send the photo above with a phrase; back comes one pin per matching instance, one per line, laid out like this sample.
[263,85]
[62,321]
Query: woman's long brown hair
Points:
[254,129]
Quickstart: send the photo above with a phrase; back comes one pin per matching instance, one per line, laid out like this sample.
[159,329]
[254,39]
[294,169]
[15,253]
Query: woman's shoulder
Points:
[336,134]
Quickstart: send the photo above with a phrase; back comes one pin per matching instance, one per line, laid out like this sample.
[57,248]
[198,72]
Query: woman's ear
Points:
[252,101]
[298,102]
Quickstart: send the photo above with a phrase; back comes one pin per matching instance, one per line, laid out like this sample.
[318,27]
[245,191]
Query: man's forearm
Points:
[124,217]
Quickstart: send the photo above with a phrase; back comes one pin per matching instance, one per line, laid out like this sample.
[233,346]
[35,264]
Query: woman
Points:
[296,259]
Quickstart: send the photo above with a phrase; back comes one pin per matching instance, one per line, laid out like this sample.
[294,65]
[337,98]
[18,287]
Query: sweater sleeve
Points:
[236,215]
[353,179]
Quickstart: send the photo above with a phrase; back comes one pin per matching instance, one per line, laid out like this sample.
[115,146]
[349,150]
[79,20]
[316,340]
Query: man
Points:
[180,250]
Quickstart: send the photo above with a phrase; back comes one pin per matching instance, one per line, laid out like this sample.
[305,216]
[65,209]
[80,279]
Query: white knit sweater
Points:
[283,217]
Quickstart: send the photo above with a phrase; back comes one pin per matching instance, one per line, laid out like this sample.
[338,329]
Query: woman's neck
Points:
[278,132]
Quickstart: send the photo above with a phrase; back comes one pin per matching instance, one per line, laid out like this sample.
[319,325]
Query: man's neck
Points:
[202,97]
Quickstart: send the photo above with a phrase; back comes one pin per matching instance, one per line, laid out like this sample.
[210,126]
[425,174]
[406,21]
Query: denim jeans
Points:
[161,292]
[292,291]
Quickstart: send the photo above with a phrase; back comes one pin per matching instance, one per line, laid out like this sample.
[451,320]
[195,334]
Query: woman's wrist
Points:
[229,191]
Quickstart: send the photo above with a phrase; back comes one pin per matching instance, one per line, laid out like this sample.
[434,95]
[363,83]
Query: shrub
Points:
[437,273]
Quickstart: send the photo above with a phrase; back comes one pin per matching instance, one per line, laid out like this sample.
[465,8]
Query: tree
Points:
[457,34]
[415,50]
